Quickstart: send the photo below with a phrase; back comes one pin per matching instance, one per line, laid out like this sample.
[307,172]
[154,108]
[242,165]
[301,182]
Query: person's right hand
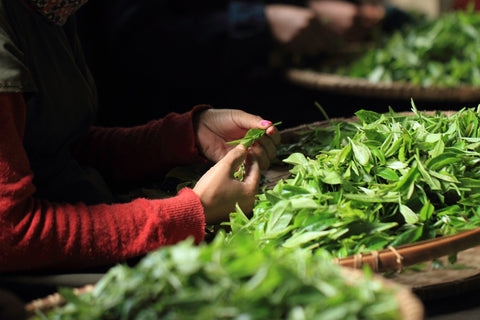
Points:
[219,191]
[347,20]
[339,17]
[296,28]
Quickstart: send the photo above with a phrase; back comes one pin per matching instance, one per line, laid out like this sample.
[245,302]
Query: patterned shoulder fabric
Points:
[57,11]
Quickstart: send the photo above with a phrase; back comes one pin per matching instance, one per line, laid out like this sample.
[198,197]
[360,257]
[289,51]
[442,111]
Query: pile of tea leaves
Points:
[234,279]
[385,180]
[431,52]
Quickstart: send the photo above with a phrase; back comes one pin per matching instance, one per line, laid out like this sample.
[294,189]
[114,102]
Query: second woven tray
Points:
[395,90]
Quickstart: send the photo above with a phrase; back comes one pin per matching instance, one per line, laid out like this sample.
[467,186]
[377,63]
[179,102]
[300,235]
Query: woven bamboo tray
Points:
[409,305]
[395,90]
[432,283]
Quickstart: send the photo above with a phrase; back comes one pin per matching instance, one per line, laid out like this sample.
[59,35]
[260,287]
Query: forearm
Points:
[143,152]
[39,235]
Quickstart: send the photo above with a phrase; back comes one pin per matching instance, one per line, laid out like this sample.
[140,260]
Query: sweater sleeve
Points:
[43,235]
[148,151]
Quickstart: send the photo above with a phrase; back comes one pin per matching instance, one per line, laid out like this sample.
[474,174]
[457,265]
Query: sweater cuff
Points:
[184,150]
[186,217]
[194,113]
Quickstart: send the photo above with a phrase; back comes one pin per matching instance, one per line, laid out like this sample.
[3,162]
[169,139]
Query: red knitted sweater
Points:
[37,234]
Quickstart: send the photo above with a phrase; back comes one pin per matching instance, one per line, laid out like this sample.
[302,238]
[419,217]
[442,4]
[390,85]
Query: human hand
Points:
[219,191]
[338,16]
[295,28]
[347,20]
[370,15]
[215,127]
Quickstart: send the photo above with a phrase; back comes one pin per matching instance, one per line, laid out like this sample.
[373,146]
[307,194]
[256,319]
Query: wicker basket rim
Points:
[363,87]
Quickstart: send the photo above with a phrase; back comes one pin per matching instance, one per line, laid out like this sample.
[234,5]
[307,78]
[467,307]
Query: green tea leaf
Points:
[361,152]
[410,216]
[250,137]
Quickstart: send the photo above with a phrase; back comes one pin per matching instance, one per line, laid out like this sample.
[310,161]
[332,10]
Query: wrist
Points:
[197,114]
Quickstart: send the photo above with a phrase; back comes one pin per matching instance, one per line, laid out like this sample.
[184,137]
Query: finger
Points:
[235,157]
[252,174]
[268,145]
[264,150]
[261,156]
[247,121]
[273,134]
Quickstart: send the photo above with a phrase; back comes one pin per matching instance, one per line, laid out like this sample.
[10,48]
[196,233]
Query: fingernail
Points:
[265,123]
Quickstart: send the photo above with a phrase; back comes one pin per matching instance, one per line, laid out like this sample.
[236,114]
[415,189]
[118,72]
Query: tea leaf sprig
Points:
[248,140]
[251,137]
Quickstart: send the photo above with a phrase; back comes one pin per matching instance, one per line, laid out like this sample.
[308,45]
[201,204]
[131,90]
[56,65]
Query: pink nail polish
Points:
[265,123]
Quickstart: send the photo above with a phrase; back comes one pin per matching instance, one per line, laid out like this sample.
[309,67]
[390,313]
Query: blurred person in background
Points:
[173,52]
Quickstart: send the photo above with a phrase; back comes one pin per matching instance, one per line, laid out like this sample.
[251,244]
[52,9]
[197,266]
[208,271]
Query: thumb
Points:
[252,175]
[247,121]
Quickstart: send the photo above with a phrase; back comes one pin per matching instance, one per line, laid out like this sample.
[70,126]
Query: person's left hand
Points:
[215,127]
